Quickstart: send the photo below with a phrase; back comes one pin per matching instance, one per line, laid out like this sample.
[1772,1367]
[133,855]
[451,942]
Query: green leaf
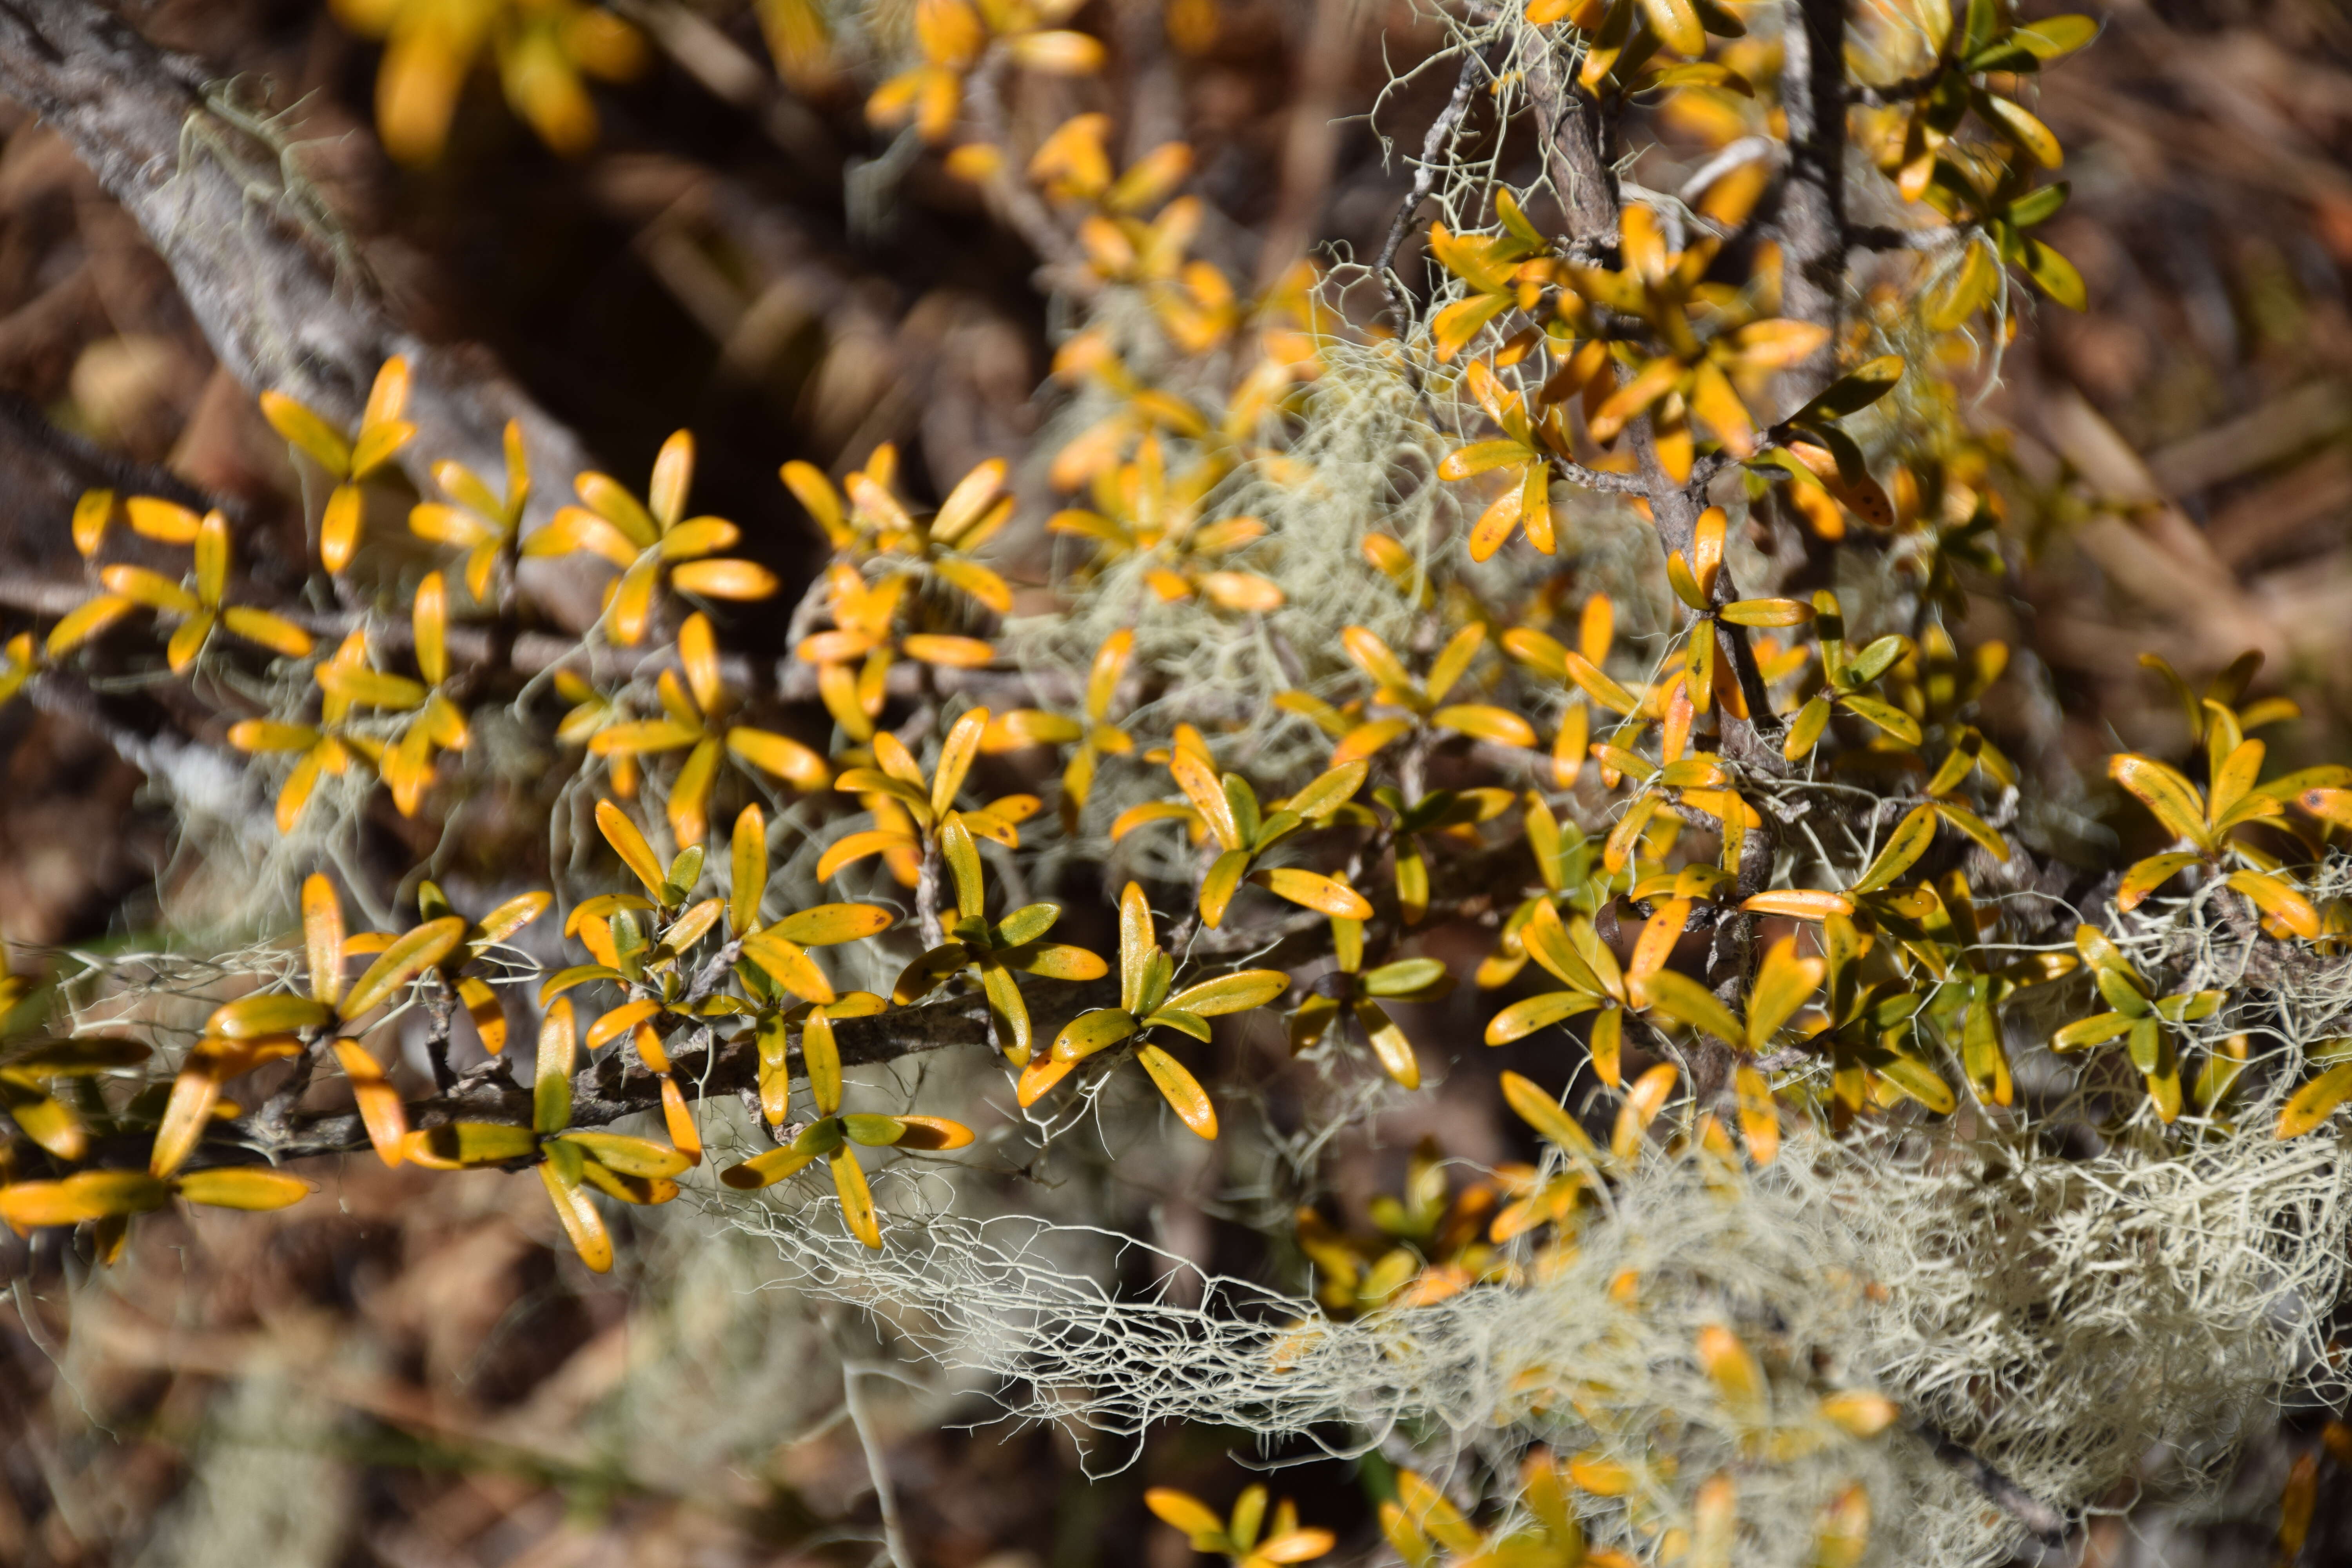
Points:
[1184,1023]
[2055,276]
[1410,979]
[2040,207]
[1855,391]
[1027,923]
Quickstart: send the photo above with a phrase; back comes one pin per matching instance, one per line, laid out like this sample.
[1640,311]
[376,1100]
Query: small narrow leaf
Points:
[1183,1091]
[1902,849]
[403,961]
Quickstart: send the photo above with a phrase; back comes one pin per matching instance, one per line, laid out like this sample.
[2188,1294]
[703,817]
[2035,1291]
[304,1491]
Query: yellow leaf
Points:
[1389,1044]
[2027,131]
[856,1198]
[1459,323]
[85,621]
[1234,992]
[380,1108]
[747,868]
[787,965]
[1685,1000]
[1314,892]
[1800,903]
[306,429]
[1713,1522]
[853,848]
[1597,685]
[1375,659]
[582,1223]
[1767,613]
[405,960]
[727,579]
[552,1085]
[1734,1370]
[86,1195]
[1902,849]
[2296,1499]
[826,924]
[822,1059]
[2147,876]
[2280,899]
[339,526]
[1482,723]
[1365,741]
[1843,1536]
[232,1188]
[1784,982]
[1677,22]
[1600,1475]
[1182,1089]
[1642,1103]
[1199,781]
[932,1132]
[766,1170]
[186,1115]
[1859,1412]
[676,1119]
[2316,1102]
[630,843]
[251,1017]
[1760,1119]
[1542,1113]
[2330,806]
[2171,798]
[1186,1512]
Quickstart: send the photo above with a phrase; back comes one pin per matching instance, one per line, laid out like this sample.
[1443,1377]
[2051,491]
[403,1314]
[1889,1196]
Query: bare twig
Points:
[1425,179]
[604,1092]
[2046,1524]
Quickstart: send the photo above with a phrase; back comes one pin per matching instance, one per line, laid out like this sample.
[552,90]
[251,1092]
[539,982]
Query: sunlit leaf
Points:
[403,961]
[232,1187]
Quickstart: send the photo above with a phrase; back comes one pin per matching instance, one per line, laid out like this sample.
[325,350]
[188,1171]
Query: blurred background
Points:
[373,1379]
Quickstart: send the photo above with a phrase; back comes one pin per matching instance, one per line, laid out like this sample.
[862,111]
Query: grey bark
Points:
[1577,157]
[1811,224]
[282,307]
